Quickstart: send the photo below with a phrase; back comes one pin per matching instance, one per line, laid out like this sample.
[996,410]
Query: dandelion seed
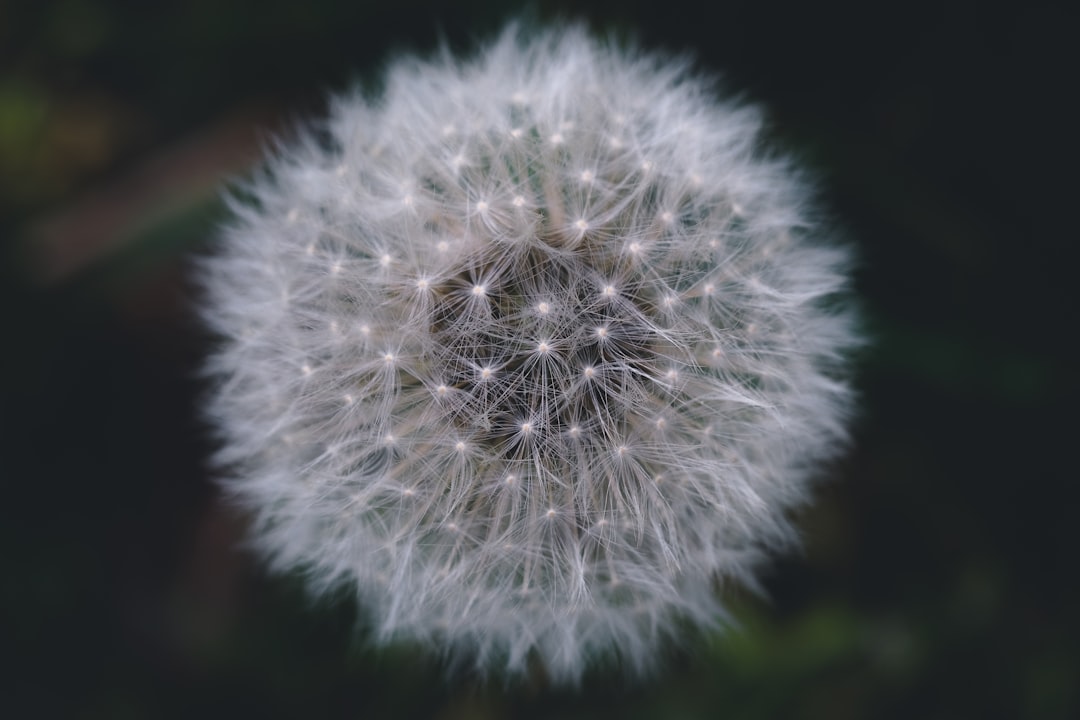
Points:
[496,420]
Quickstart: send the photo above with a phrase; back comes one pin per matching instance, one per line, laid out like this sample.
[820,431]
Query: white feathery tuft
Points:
[531,352]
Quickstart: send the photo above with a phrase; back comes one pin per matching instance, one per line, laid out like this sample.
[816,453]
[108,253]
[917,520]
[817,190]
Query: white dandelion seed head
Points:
[548,422]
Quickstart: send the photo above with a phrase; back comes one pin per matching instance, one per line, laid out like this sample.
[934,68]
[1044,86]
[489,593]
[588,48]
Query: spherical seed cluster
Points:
[531,352]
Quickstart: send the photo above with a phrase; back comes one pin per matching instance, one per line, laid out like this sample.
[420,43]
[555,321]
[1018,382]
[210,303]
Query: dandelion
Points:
[532,354]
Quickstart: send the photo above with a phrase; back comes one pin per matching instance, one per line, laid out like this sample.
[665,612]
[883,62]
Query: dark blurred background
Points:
[939,578]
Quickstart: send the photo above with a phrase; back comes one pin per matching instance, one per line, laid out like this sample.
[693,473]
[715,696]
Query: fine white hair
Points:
[532,352]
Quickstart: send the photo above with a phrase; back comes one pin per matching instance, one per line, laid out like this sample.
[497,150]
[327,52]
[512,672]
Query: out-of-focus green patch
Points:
[1050,686]
[823,635]
[961,363]
[78,27]
[24,108]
